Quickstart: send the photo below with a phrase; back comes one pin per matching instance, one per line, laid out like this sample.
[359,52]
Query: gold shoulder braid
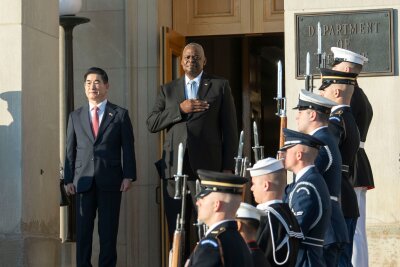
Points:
[339,113]
[216,233]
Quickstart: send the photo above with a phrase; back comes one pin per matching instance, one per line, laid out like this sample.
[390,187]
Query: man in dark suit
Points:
[198,111]
[307,196]
[217,204]
[338,86]
[279,234]
[99,166]
[312,118]
[363,180]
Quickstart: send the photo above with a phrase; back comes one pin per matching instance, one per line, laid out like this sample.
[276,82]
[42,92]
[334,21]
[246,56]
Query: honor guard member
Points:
[308,195]
[348,61]
[248,220]
[312,118]
[339,86]
[279,234]
[217,203]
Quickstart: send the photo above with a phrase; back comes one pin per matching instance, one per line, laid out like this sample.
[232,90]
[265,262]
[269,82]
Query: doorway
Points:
[250,65]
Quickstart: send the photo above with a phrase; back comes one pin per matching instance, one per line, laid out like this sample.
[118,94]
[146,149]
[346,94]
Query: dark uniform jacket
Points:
[210,137]
[223,246]
[101,158]
[329,164]
[362,111]
[257,254]
[308,198]
[343,126]
[279,235]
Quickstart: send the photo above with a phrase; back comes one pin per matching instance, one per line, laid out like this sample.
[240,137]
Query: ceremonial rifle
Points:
[178,245]
[308,77]
[241,162]
[321,56]
[257,149]
[281,106]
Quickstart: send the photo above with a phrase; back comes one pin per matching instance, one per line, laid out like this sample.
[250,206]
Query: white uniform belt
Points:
[313,241]
[362,144]
[334,198]
[345,168]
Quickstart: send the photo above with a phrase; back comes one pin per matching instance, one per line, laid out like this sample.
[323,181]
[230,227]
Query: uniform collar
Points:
[264,206]
[215,225]
[316,130]
[337,107]
[302,172]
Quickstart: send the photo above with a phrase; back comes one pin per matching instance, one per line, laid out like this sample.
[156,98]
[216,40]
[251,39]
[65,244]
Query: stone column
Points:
[29,133]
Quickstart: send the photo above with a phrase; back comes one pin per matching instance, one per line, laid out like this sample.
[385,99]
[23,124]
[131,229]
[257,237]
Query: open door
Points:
[172,44]
[171,47]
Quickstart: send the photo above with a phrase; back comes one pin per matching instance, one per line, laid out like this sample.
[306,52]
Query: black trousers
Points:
[107,205]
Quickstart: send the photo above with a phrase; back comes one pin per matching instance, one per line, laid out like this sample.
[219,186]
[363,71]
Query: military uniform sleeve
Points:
[306,206]
[163,116]
[336,127]
[206,254]
[324,159]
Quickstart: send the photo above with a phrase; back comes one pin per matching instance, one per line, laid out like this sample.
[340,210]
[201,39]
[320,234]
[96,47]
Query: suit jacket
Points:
[329,164]
[344,128]
[279,235]
[308,198]
[362,111]
[88,159]
[223,246]
[210,137]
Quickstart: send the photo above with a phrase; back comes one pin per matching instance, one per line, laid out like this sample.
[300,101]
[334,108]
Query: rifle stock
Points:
[176,253]
[281,136]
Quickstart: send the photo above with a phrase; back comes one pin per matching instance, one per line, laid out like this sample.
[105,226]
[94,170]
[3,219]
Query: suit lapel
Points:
[180,91]
[108,116]
[85,121]
[204,87]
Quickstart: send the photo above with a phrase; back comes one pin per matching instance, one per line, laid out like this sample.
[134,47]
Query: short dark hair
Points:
[99,71]
[322,116]
[251,224]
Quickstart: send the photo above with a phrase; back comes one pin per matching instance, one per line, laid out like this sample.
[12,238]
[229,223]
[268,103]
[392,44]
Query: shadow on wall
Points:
[10,132]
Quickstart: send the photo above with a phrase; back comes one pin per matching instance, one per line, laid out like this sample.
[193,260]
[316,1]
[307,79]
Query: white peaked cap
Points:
[265,166]
[247,211]
[344,55]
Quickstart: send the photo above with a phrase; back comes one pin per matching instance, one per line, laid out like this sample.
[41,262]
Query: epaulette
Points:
[218,231]
[336,117]
[338,111]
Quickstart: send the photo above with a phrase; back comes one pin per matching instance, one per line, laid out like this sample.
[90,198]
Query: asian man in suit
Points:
[99,165]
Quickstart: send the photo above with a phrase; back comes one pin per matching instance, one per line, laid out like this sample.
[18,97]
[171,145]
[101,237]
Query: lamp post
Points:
[69,21]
